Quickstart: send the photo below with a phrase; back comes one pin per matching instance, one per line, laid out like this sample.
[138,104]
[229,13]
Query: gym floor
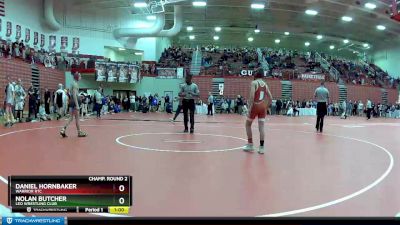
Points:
[349,170]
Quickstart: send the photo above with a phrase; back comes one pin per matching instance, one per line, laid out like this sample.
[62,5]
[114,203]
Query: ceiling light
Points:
[192,37]
[121,49]
[365,45]
[138,53]
[199,3]
[332,47]
[277,41]
[380,27]
[347,18]
[189,28]
[311,12]
[346,41]
[151,17]
[370,5]
[319,37]
[250,39]
[257,6]
[257,31]
[216,38]
[140,4]
[307,44]
[217,29]
[287,33]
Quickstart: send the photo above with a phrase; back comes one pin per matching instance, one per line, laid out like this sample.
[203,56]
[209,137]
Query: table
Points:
[307,111]
[203,109]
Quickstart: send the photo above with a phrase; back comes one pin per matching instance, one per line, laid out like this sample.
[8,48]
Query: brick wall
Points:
[393,95]
[356,93]
[18,69]
[235,86]
[205,85]
[50,78]
[304,90]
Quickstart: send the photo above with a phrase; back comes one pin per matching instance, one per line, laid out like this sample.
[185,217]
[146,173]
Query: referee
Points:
[189,91]
[322,97]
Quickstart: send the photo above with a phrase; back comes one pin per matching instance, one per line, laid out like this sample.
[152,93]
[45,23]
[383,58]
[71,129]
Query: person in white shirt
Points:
[210,104]
[360,108]
[132,100]
[369,109]
[10,102]
[42,113]
[344,107]
[84,105]
[98,98]
[19,99]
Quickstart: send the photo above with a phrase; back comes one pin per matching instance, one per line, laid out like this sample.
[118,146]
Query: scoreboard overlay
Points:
[73,194]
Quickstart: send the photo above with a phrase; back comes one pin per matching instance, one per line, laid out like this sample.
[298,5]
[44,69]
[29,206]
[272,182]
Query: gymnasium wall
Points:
[388,60]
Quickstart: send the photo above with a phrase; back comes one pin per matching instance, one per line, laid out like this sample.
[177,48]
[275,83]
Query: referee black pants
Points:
[321,112]
[188,107]
[210,111]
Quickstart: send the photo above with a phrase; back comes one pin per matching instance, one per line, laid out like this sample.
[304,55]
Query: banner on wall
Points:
[9,29]
[52,43]
[42,40]
[27,35]
[167,73]
[75,45]
[18,32]
[100,74]
[133,73]
[116,72]
[35,38]
[123,73]
[112,72]
[64,42]
[312,76]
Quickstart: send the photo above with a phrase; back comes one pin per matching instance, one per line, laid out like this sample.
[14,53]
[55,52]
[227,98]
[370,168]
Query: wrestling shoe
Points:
[248,148]
[261,150]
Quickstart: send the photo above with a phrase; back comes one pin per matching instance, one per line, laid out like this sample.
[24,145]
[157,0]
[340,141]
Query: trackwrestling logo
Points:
[33,220]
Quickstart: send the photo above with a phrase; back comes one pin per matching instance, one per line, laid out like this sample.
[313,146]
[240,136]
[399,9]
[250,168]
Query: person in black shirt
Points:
[32,101]
[278,106]
[47,99]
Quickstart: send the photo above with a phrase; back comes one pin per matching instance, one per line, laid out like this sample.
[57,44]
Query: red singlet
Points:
[259,108]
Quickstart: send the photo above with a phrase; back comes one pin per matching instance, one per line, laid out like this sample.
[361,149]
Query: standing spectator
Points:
[47,99]
[360,108]
[239,103]
[10,101]
[32,101]
[344,109]
[369,108]
[167,101]
[322,97]
[210,104]
[60,101]
[278,106]
[98,100]
[19,100]
[132,100]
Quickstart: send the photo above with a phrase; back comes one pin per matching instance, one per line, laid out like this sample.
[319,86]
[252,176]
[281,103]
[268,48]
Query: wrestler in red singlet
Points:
[257,108]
